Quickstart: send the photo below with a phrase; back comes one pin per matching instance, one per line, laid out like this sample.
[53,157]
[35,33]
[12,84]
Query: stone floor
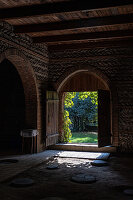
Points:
[25,162]
[110,184]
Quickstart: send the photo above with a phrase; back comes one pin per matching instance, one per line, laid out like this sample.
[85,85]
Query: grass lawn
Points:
[84,137]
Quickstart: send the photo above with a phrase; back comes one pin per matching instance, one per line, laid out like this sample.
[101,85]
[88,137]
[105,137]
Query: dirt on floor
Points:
[110,183]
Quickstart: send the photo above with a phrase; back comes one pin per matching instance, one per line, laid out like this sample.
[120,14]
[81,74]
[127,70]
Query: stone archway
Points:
[26,74]
[62,86]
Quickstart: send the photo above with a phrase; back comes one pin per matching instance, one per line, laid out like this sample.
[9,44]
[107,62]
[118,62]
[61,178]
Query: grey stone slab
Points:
[22,182]
[83,178]
[99,163]
[103,156]
[52,166]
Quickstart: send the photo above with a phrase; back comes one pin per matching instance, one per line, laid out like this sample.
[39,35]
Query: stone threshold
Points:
[82,147]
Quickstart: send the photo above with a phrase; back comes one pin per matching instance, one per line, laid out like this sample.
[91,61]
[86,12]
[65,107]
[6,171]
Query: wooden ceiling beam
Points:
[123,42]
[83,36]
[59,7]
[73,24]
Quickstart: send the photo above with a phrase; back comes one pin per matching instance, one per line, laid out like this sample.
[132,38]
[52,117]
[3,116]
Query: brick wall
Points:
[115,66]
[31,62]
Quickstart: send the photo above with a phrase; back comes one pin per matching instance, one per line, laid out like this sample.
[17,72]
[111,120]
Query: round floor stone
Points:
[128,192]
[83,178]
[99,163]
[8,161]
[52,166]
[53,198]
[22,182]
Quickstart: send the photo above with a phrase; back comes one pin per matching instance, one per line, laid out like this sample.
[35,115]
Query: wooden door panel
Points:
[52,104]
[104,122]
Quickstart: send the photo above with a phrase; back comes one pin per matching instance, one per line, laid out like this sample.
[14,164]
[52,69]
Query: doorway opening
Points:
[12,108]
[80,117]
[83,82]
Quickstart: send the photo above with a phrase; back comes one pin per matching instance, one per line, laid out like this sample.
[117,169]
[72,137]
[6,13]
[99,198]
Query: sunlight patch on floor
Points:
[86,155]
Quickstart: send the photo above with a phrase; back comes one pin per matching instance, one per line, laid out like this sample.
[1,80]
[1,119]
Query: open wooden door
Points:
[104,122]
[52,105]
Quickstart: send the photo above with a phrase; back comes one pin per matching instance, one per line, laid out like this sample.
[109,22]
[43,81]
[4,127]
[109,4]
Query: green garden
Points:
[80,117]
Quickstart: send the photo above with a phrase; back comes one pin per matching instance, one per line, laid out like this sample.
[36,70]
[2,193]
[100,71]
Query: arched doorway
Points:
[12,107]
[19,72]
[93,80]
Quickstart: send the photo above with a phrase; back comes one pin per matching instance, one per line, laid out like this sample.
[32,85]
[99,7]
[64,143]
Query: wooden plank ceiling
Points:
[64,23]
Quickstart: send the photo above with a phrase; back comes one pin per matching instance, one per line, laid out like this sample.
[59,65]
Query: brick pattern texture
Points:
[116,64]
[31,62]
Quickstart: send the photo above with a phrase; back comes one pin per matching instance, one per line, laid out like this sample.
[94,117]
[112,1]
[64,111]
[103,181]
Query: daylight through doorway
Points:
[81,117]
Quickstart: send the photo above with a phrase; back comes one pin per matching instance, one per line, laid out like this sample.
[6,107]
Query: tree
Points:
[92,95]
[80,109]
[82,113]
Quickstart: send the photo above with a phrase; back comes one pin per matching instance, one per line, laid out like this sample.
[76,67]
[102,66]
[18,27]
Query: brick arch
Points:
[24,68]
[79,69]
[108,85]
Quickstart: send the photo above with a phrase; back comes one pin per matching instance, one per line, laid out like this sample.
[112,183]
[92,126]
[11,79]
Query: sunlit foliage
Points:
[67,132]
[82,107]
[92,95]
[69,99]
